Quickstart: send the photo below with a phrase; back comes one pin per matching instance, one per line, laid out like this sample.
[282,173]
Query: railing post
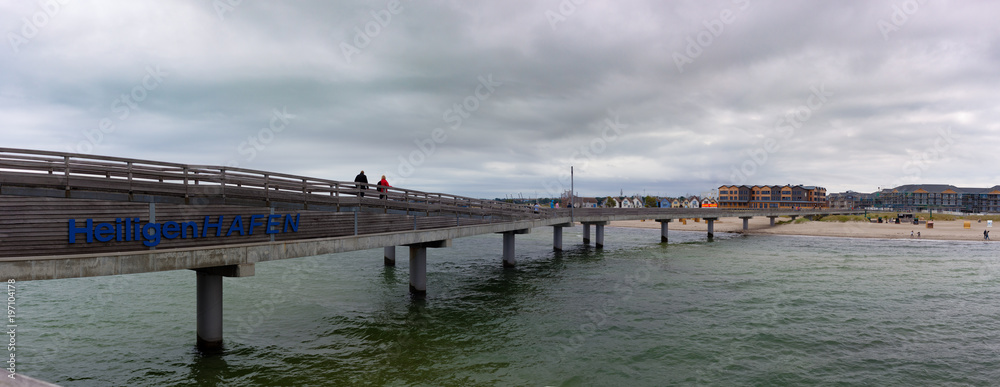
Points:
[356,220]
[130,181]
[66,173]
[222,182]
[267,189]
[305,195]
[152,217]
[186,193]
[336,194]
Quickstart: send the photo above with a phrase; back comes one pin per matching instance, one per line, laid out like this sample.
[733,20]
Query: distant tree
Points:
[608,202]
[650,201]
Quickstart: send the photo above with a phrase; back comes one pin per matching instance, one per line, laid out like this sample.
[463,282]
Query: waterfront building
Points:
[772,196]
[941,197]
[851,199]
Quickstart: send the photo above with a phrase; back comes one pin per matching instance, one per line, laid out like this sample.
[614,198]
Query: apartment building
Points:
[772,196]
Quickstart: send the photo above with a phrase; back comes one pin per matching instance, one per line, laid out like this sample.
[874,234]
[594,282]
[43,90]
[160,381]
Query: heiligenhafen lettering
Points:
[133,229]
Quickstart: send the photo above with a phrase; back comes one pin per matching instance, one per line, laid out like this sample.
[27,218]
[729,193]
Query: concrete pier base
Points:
[600,236]
[508,246]
[418,265]
[418,270]
[772,220]
[389,255]
[209,312]
[663,229]
[557,238]
[209,302]
[746,222]
[599,232]
[557,235]
[508,249]
[711,227]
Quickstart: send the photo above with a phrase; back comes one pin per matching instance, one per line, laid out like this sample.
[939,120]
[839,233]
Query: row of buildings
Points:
[921,197]
[637,201]
[772,196]
[729,196]
[640,202]
[689,202]
[913,197]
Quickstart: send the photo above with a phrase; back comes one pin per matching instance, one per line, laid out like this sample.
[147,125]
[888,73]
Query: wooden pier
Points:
[70,215]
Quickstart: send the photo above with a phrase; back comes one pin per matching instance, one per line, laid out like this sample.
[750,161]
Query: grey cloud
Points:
[686,131]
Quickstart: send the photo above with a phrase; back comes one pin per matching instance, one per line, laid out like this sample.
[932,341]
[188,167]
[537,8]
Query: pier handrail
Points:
[74,171]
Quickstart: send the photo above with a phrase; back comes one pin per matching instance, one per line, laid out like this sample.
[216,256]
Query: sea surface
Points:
[740,310]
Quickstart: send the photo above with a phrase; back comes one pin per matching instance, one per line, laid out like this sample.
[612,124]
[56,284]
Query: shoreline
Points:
[945,230]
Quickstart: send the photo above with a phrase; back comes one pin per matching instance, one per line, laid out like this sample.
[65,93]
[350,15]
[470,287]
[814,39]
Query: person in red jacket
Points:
[383,184]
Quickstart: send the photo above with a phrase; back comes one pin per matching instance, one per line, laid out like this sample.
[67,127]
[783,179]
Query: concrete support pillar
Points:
[663,229]
[772,220]
[508,249]
[746,222]
[418,270]
[586,234]
[418,265]
[600,235]
[389,255]
[209,302]
[557,238]
[711,227]
[209,312]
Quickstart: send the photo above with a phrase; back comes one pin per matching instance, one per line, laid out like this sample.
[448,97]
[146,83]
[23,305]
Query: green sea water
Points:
[740,310]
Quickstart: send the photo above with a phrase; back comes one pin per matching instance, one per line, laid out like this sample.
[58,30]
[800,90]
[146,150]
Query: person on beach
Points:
[986,235]
[911,233]
[362,183]
[384,187]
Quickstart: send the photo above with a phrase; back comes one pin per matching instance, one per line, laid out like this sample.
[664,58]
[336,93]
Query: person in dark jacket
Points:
[362,183]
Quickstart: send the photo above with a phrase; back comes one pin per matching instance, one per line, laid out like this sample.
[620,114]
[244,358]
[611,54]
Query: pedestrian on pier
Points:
[361,183]
[384,186]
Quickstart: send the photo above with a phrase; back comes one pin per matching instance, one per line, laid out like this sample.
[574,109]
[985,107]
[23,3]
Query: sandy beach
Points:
[943,230]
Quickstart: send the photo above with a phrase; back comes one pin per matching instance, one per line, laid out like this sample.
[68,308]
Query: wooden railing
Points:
[144,180]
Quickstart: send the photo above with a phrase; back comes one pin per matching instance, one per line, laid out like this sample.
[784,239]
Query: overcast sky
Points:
[488,99]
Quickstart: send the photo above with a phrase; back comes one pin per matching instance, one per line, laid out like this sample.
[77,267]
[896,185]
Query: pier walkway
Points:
[69,215]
